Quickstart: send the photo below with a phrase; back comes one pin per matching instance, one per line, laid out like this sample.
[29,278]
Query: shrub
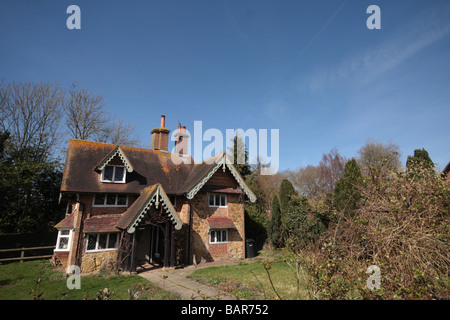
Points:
[401,227]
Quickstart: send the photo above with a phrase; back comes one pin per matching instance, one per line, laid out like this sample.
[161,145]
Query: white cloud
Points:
[362,68]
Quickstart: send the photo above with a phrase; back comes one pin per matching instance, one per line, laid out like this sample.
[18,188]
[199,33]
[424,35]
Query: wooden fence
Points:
[22,254]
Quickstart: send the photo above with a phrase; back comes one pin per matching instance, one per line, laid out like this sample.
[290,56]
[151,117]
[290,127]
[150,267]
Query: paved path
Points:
[176,282]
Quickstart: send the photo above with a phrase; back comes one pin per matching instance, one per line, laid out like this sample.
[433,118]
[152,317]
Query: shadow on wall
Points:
[201,253]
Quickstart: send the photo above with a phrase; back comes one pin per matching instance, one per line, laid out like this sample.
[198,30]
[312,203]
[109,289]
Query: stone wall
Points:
[235,247]
[96,261]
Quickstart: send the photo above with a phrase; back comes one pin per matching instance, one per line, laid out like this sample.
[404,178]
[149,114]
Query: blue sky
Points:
[311,69]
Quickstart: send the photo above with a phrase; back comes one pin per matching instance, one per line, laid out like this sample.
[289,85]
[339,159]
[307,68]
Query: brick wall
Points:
[221,178]
[88,201]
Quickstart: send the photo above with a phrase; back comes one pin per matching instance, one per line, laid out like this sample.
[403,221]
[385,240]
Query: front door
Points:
[151,245]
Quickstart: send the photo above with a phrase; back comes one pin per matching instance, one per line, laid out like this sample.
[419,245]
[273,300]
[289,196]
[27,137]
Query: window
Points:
[110,200]
[217,200]
[113,174]
[218,236]
[102,241]
[63,241]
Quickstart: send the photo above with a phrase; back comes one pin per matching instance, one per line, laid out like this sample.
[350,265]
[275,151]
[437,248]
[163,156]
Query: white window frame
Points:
[102,178]
[105,204]
[69,241]
[214,232]
[116,245]
[215,205]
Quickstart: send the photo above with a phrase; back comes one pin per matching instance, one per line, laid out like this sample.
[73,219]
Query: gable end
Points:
[116,152]
[223,163]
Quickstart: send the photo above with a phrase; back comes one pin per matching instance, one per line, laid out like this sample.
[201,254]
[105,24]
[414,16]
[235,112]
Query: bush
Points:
[401,227]
[300,226]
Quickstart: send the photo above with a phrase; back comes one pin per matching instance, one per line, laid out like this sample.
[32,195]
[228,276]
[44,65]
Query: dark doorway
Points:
[154,246]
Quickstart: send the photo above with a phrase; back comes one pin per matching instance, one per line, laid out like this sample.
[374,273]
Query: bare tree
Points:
[5,93]
[307,180]
[376,153]
[31,112]
[116,131]
[331,169]
[267,184]
[87,119]
[85,116]
[316,181]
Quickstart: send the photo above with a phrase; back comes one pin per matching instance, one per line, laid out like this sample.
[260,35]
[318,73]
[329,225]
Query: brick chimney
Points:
[181,142]
[160,136]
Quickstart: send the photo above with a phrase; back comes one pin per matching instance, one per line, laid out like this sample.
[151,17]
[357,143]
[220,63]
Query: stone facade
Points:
[96,261]
[234,248]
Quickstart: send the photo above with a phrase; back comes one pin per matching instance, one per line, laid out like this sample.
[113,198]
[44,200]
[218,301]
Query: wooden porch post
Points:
[133,265]
[166,245]
[172,246]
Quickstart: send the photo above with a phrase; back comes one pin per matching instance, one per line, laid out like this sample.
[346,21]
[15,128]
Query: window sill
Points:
[113,182]
[101,250]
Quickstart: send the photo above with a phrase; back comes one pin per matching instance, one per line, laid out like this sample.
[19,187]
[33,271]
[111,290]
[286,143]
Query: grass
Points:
[251,281]
[32,279]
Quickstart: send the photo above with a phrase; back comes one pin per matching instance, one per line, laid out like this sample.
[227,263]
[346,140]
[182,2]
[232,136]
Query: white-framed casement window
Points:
[110,200]
[102,241]
[217,200]
[113,174]
[218,236]
[63,240]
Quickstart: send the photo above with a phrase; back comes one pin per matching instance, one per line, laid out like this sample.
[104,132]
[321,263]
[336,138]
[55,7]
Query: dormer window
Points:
[114,167]
[113,174]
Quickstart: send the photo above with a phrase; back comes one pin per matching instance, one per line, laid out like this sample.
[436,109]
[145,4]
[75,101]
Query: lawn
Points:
[251,281]
[32,279]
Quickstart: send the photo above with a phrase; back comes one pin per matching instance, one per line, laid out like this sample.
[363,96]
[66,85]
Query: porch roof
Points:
[221,223]
[102,223]
[153,195]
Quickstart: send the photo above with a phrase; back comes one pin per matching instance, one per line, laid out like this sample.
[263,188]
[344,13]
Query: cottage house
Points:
[129,206]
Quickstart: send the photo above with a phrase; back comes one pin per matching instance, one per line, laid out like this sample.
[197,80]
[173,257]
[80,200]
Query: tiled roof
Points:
[133,210]
[102,223]
[150,198]
[149,167]
[66,223]
[221,223]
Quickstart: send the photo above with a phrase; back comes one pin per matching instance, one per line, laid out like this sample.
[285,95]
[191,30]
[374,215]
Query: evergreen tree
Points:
[347,191]
[275,222]
[287,191]
[240,156]
[301,226]
[420,157]
[29,190]
[256,219]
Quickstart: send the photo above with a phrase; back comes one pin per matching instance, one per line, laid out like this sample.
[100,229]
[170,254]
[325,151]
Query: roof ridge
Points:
[125,146]
[219,155]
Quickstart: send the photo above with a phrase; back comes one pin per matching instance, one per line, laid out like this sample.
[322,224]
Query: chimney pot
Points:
[184,129]
[160,136]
